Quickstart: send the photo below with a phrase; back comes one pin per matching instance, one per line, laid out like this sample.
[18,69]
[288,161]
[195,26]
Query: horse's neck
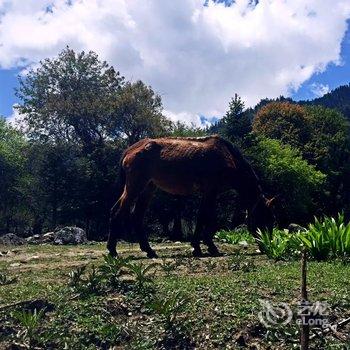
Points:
[251,194]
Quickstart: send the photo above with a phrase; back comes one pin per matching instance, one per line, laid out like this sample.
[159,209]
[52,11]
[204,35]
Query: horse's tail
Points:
[121,177]
[120,185]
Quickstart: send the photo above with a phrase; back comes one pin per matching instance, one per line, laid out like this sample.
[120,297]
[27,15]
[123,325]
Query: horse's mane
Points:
[189,138]
[243,163]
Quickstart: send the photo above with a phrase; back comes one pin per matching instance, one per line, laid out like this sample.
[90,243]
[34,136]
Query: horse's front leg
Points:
[138,218]
[210,226]
[205,214]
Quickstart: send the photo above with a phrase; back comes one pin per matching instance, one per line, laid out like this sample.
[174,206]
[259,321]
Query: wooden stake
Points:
[305,329]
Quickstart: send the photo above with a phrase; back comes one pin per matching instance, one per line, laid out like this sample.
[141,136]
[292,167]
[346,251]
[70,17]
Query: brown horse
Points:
[182,166]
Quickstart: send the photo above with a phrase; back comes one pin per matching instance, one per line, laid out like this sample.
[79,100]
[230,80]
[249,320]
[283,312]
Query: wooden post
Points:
[305,329]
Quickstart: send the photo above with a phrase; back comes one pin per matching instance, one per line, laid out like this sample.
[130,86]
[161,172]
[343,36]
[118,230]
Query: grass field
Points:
[182,302]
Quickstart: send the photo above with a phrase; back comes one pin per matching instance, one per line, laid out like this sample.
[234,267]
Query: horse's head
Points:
[261,215]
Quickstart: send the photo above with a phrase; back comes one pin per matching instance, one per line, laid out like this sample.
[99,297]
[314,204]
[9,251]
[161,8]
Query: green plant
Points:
[169,308]
[92,281]
[239,262]
[235,261]
[112,269]
[85,286]
[168,266]
[141,273]
[75,276]
[5,280]
[280,245]
[234,237]
[30,322]
[329,237]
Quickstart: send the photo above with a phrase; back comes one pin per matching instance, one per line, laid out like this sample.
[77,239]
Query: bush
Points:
[328,238]
[234,237]
[281,245]
[285,173]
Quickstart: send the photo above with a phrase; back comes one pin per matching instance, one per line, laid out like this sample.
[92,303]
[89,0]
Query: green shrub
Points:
[280,245]
[169,308]
[234,237]
[83,283]
[142,274]
[283,171]
[5,279]
[30,322]
[328,238]
[112,269]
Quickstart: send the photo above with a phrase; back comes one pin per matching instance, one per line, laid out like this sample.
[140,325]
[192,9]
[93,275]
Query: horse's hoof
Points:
[113,253]
[152,254]
[197,253]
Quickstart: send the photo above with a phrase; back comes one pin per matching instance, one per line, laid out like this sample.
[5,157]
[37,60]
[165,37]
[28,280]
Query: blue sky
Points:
[8,82]
[332,77]
[196,57]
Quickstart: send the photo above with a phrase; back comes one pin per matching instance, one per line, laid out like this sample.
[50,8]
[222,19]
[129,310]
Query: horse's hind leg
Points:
[120,212]
[116,221]
[138,217]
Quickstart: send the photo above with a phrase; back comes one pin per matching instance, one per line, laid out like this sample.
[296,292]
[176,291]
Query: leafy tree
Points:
[285,173]
[138,113]
[70,97]
[71,188]
[322,136]
[328,145]
[283,121]
[13,176]
[329,149]
[180,129]
[236,123]
[67,104]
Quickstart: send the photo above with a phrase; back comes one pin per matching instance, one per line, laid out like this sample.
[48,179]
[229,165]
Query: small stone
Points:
[15,264]
[11,239]
[243,244]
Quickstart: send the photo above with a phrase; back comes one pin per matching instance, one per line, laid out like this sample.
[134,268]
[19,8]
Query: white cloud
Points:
[195,56]
[319,89]
[16,119]
[183,117]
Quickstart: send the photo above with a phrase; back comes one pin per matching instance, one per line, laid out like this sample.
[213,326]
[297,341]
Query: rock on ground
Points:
[70,235]
[11,239]
[294,228]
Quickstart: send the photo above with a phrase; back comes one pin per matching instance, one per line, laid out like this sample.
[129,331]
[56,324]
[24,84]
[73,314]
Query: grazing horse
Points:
[183,166]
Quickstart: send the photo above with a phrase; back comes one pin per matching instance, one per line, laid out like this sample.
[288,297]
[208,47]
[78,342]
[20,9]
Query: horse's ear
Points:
[271,202]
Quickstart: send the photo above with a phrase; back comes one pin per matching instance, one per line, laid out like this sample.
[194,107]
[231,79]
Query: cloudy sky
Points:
[195,53]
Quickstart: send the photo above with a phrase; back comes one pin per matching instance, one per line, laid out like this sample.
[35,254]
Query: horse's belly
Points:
[179,185]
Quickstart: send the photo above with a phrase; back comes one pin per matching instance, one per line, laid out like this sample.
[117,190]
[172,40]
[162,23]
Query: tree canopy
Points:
[70,97]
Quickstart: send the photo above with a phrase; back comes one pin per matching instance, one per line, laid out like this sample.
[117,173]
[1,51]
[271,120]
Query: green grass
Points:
[221,303]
